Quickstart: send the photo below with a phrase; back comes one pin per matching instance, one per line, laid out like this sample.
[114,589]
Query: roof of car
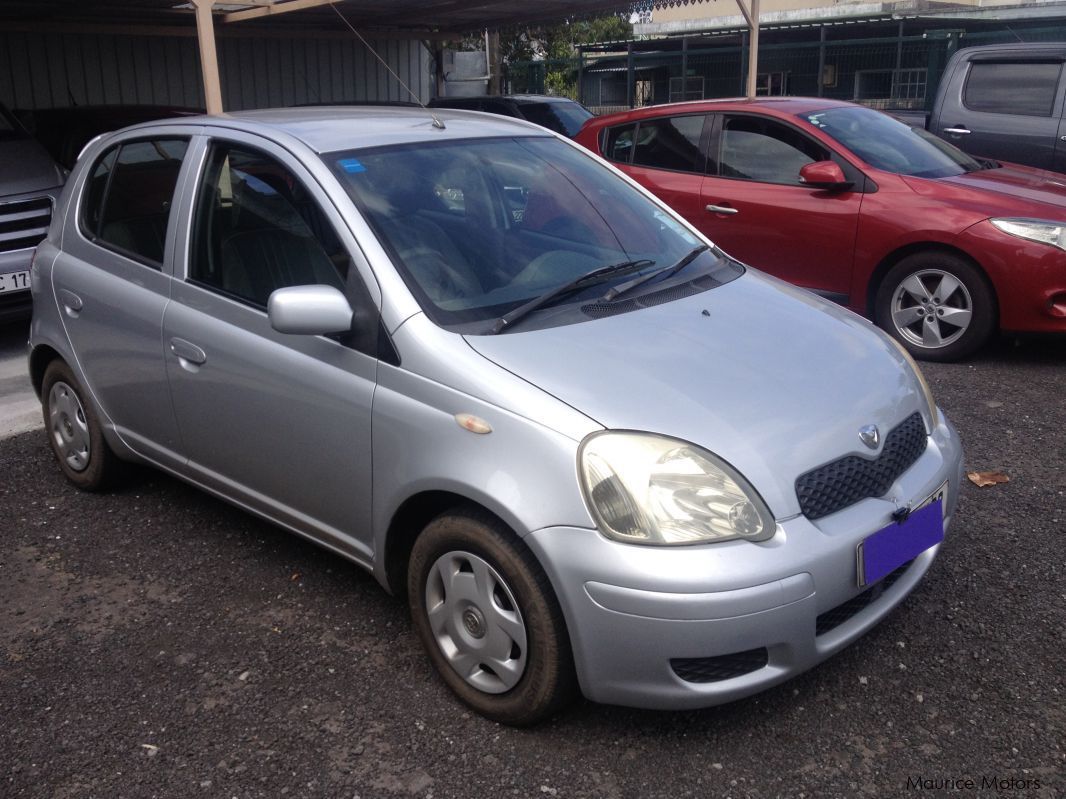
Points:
[331,128]
[784,105]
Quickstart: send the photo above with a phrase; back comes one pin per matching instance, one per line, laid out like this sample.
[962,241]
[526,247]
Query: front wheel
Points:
[938,305]
[489,620]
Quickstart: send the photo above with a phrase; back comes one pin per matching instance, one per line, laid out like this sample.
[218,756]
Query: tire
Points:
[489,620]
[74,431]
[911,295]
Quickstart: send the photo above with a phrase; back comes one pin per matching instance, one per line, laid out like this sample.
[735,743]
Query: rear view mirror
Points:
[309,311]
[824,175]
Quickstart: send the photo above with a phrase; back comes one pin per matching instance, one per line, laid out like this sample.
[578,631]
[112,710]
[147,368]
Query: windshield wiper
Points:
[665,272]
[597,275]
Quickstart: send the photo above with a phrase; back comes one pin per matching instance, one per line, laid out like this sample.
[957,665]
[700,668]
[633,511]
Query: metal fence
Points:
[890,72]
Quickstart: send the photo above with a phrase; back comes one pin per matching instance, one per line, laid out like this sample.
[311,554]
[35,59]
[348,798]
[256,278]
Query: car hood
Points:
[772,379]
[25,167]
[1010,190]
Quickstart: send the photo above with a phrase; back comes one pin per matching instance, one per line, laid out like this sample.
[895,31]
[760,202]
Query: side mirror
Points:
[309,310]
[824,175]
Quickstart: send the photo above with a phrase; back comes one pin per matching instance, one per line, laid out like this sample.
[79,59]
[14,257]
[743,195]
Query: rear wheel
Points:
[489,620]
[74,431]
[938,305]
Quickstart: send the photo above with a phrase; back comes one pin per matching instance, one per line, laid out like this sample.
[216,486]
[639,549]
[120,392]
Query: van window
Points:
[999,88]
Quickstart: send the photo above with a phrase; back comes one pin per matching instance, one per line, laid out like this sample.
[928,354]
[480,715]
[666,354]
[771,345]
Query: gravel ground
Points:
[157,643]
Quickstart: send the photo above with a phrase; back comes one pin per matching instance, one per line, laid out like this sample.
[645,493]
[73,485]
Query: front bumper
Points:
[759,613]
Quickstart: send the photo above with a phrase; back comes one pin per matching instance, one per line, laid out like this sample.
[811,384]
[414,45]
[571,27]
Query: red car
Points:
[940,248]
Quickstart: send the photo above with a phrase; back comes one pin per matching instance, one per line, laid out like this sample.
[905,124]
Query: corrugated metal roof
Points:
[456,16]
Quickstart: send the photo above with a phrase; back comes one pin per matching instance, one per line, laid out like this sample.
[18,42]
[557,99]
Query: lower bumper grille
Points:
[833,618]
[722,667]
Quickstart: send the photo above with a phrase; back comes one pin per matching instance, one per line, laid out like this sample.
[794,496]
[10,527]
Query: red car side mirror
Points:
[824,175]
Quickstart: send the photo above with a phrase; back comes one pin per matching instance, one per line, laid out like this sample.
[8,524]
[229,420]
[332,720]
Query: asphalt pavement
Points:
[155,642]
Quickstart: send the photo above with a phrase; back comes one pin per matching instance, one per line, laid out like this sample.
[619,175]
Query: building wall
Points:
[46,70]
[711,13]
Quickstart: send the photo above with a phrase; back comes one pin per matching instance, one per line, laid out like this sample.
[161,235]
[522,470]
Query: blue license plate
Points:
[889,548]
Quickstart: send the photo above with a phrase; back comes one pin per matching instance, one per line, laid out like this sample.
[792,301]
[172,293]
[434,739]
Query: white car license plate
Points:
[15,281]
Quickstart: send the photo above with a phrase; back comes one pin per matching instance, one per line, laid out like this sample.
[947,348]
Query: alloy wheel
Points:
[931,308]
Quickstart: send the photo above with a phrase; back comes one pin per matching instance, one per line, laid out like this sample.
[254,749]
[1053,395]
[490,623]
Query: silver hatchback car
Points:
[593,450]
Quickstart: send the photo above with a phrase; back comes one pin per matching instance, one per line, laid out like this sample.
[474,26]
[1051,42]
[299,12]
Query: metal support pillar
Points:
[821,61]
[684,68]
[205,30]
[629,74]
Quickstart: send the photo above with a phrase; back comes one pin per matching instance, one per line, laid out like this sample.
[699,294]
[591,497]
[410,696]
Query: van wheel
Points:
[489,620]
[74,431]
[937,305]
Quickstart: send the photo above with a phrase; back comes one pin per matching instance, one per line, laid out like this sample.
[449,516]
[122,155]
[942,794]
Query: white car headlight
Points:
[1039,230]
[644,488]
[933,413]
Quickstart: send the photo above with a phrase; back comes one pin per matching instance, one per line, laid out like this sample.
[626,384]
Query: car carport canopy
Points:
[410,19]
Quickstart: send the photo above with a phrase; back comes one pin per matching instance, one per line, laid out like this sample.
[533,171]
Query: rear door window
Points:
[1018,88]
[670,143]
[128,197]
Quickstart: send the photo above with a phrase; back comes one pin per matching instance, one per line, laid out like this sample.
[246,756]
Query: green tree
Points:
[555,46]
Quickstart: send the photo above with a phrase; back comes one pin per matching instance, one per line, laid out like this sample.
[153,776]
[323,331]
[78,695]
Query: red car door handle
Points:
[722,209]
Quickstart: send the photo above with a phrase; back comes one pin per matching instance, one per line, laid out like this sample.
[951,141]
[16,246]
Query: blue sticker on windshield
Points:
[352,165]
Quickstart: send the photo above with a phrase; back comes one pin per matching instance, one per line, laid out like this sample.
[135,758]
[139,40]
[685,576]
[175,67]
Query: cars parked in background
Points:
[590,449]
[30,181]
[1002,101]
[559,114]
[939,248]
[64,132]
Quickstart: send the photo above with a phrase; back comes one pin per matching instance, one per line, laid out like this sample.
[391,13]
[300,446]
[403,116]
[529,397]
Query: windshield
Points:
[480,227]
[562,117]
[888,144]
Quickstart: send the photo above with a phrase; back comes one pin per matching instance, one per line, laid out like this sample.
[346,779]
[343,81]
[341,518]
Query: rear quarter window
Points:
[1012,88]
[618,143]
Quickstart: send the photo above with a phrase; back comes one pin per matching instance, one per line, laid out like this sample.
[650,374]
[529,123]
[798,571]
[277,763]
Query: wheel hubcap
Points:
[931,309]
[476,622]
[70,430]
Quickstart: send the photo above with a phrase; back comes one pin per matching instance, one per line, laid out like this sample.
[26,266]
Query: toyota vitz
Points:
[593,450]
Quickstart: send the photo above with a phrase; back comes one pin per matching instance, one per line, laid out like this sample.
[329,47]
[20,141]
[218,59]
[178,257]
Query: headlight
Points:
[1039,230]
[934,413]
[649,489]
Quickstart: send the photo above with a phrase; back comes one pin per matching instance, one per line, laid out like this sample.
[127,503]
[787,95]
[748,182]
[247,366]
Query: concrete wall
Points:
[45,70]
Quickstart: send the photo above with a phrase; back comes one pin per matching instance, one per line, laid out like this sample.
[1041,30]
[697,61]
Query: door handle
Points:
[958,130]
[71,302]
[722,209]
[188,353]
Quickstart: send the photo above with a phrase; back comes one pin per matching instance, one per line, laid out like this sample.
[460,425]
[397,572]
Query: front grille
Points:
[721,667]
[24,224]
[844,482]
[833,618]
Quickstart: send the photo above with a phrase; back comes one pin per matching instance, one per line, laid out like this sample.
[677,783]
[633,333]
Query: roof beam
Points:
[276,8]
